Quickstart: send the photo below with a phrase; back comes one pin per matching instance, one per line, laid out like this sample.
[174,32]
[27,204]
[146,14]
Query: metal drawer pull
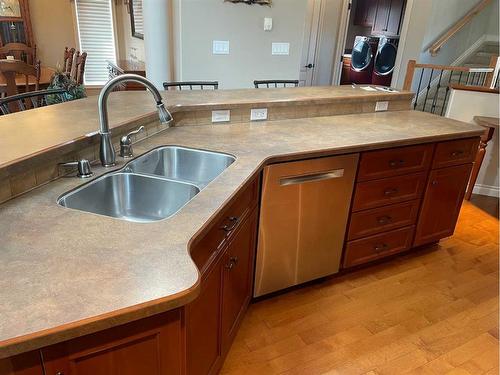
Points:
[384,220]
[234,222]
[457,153]
[380,247]
[233,261]
[390,191]
[397,163]
[336,173]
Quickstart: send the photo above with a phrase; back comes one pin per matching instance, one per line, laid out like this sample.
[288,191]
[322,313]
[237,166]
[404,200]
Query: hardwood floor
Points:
[434,311]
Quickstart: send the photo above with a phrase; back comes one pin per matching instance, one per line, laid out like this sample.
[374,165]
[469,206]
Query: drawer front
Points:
[461,151]
[394,162]
[371,194]
[377,220]
[378,246]
[206,247]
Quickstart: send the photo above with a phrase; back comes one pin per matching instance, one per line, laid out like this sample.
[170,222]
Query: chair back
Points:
[191,85]
[13,70]
[275,83]
[68,59]
[20,51]
[74,64]
[33,99]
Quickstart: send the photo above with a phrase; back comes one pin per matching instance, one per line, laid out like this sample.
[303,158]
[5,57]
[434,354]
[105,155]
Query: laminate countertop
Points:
[65,273]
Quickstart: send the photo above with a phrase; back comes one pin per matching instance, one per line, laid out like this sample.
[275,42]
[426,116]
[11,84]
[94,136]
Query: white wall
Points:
[124,37]
[203,21]
[463,106]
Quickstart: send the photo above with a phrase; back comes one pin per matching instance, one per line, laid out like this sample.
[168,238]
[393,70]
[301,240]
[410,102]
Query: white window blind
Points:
[95,31]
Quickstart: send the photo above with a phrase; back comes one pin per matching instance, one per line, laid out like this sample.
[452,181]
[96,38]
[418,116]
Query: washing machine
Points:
[384,61]
[363,52]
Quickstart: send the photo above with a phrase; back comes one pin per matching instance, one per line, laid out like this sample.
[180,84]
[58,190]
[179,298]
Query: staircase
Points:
[436,99]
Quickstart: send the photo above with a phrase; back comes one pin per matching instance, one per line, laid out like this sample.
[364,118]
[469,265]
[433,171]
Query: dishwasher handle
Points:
[321,176]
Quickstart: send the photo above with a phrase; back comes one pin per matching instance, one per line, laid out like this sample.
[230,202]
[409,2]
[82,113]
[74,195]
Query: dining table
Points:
[46,74]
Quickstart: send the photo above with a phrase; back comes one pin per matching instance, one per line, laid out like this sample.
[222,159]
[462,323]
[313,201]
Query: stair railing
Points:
[443,39]
[432,83]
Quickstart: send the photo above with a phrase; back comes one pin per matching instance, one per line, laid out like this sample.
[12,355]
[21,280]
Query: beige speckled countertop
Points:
[64,273]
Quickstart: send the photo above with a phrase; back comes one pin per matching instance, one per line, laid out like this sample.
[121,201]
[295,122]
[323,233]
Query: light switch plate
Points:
[280,49]
[221,115]
[220,47]
[381,106]
[258,114]
[268,24]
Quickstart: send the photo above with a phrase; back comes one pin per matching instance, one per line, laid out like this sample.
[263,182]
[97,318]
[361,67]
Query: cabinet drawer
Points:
[204,249]
[394,162]
[371,194]
[378,246]
[461,151]
[377,220]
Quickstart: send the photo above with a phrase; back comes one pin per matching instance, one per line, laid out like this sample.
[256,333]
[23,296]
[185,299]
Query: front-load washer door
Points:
[385,59]
[361,55]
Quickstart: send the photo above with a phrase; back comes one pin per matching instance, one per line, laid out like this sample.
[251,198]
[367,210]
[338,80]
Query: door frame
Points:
[315,14]
[343,27]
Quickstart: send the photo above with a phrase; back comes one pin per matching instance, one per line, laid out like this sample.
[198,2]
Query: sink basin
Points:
[190,165]
[131,197]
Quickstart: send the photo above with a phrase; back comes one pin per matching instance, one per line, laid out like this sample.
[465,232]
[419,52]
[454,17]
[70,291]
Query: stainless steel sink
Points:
[131,197]
[198,167]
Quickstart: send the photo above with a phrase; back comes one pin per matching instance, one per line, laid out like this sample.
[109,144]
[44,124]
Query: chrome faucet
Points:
[106,151]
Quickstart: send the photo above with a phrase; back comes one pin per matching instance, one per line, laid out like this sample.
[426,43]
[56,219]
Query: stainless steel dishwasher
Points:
[303,217]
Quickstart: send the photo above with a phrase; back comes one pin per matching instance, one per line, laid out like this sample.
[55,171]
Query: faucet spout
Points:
[106,151]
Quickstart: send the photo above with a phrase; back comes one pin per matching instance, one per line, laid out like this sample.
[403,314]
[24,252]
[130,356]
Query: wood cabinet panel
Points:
[461,151]
[238,278]
[23,364]
[377,220]
[364,14]
[149,346]
[394,161]
[203,340]
[388,16]
[377,193]
[441,204]
[378,246]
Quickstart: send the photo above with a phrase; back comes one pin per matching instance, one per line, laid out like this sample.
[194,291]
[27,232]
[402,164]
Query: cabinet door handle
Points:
[384,220]
[457,153]
[295,180]
[229,265]
[380,247]
[390,191]
[434,182]
[233,261]
[233,221]
[397,163]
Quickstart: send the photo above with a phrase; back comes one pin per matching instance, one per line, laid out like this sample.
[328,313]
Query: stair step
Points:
[490,47]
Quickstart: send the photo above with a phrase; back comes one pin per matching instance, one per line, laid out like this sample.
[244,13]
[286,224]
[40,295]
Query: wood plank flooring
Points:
[433,312]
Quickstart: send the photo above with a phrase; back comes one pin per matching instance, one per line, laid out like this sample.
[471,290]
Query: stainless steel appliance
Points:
[304,211]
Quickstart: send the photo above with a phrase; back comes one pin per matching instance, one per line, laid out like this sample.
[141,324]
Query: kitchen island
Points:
[67,274]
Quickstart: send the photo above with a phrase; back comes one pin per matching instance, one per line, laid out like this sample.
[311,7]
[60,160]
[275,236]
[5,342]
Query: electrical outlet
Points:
[258,114]
[381,106]
[280,48]
[220,47]
[221,115]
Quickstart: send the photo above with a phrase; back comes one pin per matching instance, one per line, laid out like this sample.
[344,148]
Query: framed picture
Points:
[10,8]
[136,18]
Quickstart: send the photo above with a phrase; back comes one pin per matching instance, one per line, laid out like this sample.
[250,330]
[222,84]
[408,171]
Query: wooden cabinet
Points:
[388,16]
[364,14]
[238,278]
[24,364]
[15,23]
[441,205]
[150,346]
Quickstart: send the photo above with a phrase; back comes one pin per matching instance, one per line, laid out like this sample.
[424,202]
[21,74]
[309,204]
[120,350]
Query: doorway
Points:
[310,43]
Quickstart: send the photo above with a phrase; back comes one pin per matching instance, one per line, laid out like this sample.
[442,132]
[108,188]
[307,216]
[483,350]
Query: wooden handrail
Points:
[474,88]
[436,46]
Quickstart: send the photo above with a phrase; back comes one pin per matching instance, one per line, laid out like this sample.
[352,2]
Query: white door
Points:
[309,45]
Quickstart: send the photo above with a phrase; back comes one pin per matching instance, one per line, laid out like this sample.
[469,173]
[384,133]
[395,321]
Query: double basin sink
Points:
[152,187]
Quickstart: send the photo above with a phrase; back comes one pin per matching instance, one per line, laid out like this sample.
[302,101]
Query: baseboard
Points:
[491,191]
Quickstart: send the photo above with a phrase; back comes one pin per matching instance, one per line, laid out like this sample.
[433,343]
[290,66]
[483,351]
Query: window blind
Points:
[96,35]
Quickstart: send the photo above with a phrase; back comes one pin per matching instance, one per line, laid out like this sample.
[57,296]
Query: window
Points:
[96,35]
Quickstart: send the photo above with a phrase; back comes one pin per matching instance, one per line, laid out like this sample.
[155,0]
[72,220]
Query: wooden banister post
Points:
[489,76]
[410,70]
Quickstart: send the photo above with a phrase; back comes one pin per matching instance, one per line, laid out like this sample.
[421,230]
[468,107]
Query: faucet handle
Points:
[126,143]
[83,167]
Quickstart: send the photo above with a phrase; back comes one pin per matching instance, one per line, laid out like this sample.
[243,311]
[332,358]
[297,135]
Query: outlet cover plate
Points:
[381,106]
[280,48]
[220,47]
[221,115]
[258,114]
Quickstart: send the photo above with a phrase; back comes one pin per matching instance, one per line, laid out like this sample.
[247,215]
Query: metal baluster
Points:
[428,88]
[418,89]
[447,91]
[460,78]
[437,92]
[20,104]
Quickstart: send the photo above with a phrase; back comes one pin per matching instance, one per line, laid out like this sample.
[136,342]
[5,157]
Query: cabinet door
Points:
[23,364]
[441,204]
[150,346]
[388,17]
[381,16]
[365,12]
[203,346]
[238,274]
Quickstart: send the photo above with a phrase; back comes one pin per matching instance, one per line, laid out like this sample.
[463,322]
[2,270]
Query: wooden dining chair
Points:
[13,72]
[74,64]
[68,59]
[191,85]
[20,51]
[275,83]
[32,99]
